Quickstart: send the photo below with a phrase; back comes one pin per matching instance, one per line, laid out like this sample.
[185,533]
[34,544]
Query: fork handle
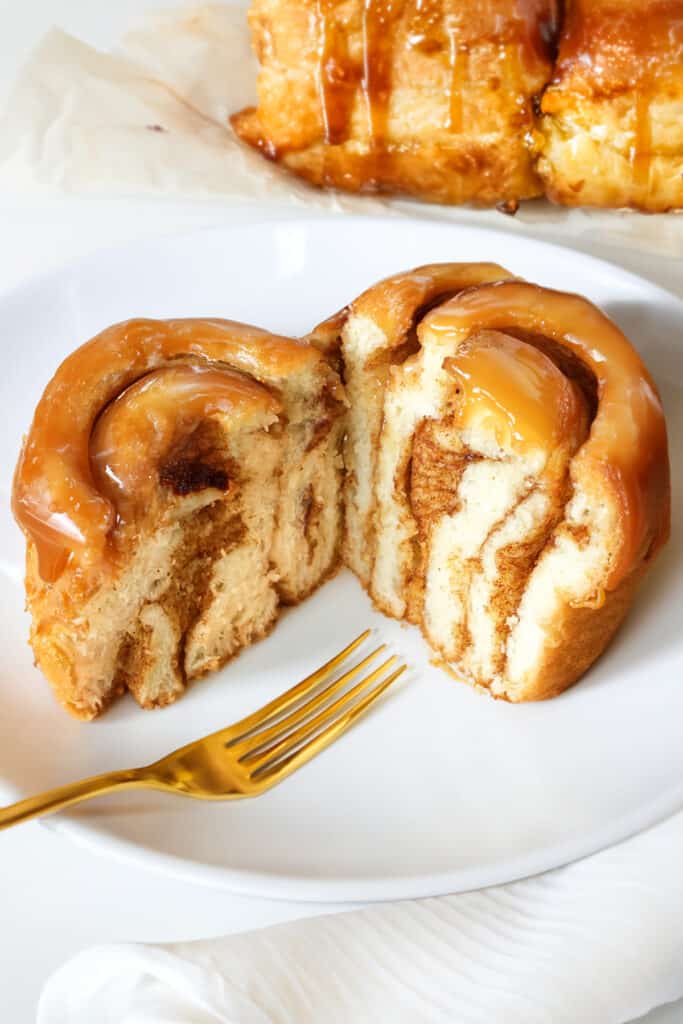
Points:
[73,793]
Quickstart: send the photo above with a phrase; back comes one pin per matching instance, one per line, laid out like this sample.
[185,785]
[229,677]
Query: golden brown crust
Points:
[580,637]
[432,100]
[610,128]
[436,100]
[213,451]
[607,46]
[397,302]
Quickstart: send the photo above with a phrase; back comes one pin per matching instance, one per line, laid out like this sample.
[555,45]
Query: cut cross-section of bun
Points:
[180,481]
[376,333]
[494,469]
[508,481]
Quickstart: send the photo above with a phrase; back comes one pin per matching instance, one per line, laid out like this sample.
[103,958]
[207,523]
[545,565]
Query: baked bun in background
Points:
[432,99]
[514,486]
[180,480]
[611,127]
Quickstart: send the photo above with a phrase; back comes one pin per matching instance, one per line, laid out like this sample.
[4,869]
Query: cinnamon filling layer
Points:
[154,379]
[146,435]
[510,403]
[627,441]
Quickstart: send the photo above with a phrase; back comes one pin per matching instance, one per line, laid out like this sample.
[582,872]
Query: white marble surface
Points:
[54,897]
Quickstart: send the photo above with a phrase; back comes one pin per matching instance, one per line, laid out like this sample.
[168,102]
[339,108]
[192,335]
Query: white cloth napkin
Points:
[598,942]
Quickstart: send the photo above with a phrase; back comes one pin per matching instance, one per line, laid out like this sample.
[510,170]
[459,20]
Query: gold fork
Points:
[246,758]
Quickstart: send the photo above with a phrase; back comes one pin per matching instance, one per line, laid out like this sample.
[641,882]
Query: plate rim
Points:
[292,888]
[364,889]
[294,217]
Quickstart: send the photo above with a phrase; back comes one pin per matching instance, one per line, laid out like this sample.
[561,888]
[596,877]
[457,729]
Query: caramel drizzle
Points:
[641,152]
[539,22]
[55,498]
[337,75]
[517,391]
[512,72]
[627,445]
[140,428]
[380,19]
[431,26]
[609,49]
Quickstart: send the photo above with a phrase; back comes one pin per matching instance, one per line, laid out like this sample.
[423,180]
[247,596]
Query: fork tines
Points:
[290,739]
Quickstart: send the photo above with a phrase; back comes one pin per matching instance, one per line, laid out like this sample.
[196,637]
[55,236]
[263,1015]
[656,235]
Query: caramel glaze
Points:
[609,46]
[517,392]
[143,424]
[338,75]
[525,29]
[56,499]
[398,302]
[627,443]
[380,22]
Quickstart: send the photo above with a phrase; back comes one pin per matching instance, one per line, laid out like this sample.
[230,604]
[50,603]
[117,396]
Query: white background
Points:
[55,898]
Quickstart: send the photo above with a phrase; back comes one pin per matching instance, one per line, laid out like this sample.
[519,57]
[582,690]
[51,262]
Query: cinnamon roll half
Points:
[432,98]
[514,484]
[180,481]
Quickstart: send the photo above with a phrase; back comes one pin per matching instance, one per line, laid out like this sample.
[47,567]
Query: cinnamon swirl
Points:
[499,451]
[180,481]
[515,484]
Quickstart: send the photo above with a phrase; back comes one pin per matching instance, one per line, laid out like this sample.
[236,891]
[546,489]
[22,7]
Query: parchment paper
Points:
[151,117]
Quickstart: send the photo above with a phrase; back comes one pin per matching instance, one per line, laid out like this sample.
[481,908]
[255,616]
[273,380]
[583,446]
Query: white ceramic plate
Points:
[440,789]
